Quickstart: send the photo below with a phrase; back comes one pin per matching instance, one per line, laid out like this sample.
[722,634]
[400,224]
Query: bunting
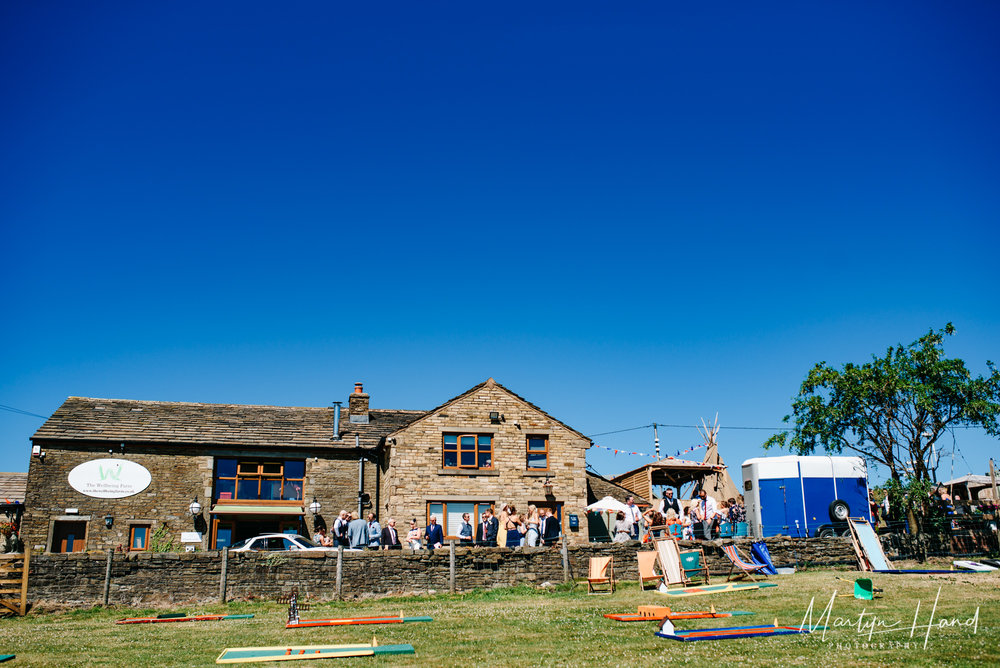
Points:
[617,451]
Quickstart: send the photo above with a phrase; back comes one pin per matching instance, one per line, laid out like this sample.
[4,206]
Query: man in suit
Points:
[550,528]
[486,531]
[390,539]
[669,502]
[435,536]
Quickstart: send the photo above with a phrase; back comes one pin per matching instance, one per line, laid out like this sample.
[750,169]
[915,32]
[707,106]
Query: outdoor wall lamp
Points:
[496,417]
[195,507]
[109,521]
[547,487]
[315,507]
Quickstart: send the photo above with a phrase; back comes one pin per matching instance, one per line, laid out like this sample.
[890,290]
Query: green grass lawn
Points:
[557,626]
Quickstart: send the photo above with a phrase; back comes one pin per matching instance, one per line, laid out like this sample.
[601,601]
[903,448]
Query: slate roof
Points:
[599,487]
[117,420]
[12,487]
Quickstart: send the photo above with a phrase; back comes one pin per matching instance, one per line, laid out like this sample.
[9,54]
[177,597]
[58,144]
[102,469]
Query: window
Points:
[538,453]
[468,451]
[69,536]
[138,537]
[449,514]
[259,479]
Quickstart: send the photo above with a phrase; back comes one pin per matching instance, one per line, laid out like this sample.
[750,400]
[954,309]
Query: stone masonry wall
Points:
[178,475]
[416,476]
[78,579]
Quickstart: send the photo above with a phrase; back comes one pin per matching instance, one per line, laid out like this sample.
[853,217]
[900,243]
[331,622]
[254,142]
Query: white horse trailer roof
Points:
[813,466]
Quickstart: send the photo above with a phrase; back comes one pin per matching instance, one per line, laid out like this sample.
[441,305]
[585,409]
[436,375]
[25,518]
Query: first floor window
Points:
[449,514]
[538,453]
[467,451]
[252,479]
[139,537]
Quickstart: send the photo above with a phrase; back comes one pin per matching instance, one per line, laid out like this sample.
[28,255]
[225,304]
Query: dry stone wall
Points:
[79,579]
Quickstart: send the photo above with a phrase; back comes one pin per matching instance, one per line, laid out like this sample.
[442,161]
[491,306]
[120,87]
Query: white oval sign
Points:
[110,478]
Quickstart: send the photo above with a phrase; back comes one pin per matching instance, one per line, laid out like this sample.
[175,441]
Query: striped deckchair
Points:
[747,568]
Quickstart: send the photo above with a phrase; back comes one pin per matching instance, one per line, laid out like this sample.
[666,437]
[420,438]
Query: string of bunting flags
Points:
[618,451]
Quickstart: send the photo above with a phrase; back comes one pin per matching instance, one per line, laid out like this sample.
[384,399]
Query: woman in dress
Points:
[515,525]
[413,535]
[532,522]
[687,521]
[502,525]
[655,522]
[623,529]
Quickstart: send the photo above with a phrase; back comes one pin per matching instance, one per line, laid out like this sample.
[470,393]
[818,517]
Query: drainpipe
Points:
[361,473]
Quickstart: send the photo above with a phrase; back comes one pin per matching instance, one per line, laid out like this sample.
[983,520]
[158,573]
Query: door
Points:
[772,507]
[69,536]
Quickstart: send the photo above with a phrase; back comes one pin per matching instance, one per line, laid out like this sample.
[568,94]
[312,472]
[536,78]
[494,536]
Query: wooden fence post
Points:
[451,566]
[340,570]
[223,575]
[107,578]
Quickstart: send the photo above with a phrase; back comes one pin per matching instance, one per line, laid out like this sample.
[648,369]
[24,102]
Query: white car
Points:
[276,542]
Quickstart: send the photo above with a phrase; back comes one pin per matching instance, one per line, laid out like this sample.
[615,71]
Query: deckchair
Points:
[760,555]
[747,568]
[602,574]
[668,554]
[694,565]
[647,568]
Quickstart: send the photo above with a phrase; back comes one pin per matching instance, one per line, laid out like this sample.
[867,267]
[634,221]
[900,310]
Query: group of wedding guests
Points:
[509,528]
[700,518]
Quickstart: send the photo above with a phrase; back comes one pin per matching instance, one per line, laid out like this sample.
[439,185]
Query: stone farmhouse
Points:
[106,473]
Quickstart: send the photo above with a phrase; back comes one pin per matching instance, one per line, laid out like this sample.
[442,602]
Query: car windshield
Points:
[305,542]
[240,543]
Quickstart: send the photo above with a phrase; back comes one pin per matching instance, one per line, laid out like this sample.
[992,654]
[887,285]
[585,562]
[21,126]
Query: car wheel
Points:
[839,511]
[825,532]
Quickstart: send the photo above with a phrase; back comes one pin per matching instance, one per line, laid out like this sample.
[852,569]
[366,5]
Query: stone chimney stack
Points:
[357,405]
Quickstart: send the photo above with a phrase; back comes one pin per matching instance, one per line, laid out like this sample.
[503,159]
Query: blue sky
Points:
[626,215]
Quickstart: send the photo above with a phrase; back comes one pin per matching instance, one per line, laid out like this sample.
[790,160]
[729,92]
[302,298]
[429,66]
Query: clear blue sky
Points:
[627,215]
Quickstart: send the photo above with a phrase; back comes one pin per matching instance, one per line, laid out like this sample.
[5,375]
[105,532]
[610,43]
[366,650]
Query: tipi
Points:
[718,485]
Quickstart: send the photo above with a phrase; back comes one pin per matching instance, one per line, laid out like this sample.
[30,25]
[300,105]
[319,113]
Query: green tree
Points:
[892,410]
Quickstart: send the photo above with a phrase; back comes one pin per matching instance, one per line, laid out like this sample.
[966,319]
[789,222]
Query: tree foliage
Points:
[893,409]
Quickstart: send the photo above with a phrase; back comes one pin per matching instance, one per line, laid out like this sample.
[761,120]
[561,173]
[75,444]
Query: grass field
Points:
[556,626]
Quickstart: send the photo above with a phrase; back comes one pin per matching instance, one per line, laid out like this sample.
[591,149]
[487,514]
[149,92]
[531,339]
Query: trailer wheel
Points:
[839,511]
[825,531]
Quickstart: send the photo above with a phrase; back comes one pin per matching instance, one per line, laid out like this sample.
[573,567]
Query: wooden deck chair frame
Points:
[747,568]
[601,574]
[702,565]
[864,559]
[647,568]
[668,554]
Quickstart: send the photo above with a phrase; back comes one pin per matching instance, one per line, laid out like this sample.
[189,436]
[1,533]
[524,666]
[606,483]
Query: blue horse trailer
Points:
[804,496]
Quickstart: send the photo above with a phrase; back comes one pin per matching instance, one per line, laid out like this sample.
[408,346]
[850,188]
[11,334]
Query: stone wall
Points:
[416,476]
[79,579]
[178,475]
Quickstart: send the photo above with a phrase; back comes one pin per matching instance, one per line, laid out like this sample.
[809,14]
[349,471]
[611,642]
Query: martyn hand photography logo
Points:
[867,625]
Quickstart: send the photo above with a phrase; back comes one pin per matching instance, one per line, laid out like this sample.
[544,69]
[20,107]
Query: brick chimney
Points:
[357,405]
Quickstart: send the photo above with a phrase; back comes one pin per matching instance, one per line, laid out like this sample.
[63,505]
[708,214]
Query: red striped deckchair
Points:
[747,568]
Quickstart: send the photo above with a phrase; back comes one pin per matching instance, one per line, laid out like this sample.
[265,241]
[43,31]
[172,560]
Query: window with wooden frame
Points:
[263,480]
[467,451]
[449,514]
[538,453]
[138,537]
